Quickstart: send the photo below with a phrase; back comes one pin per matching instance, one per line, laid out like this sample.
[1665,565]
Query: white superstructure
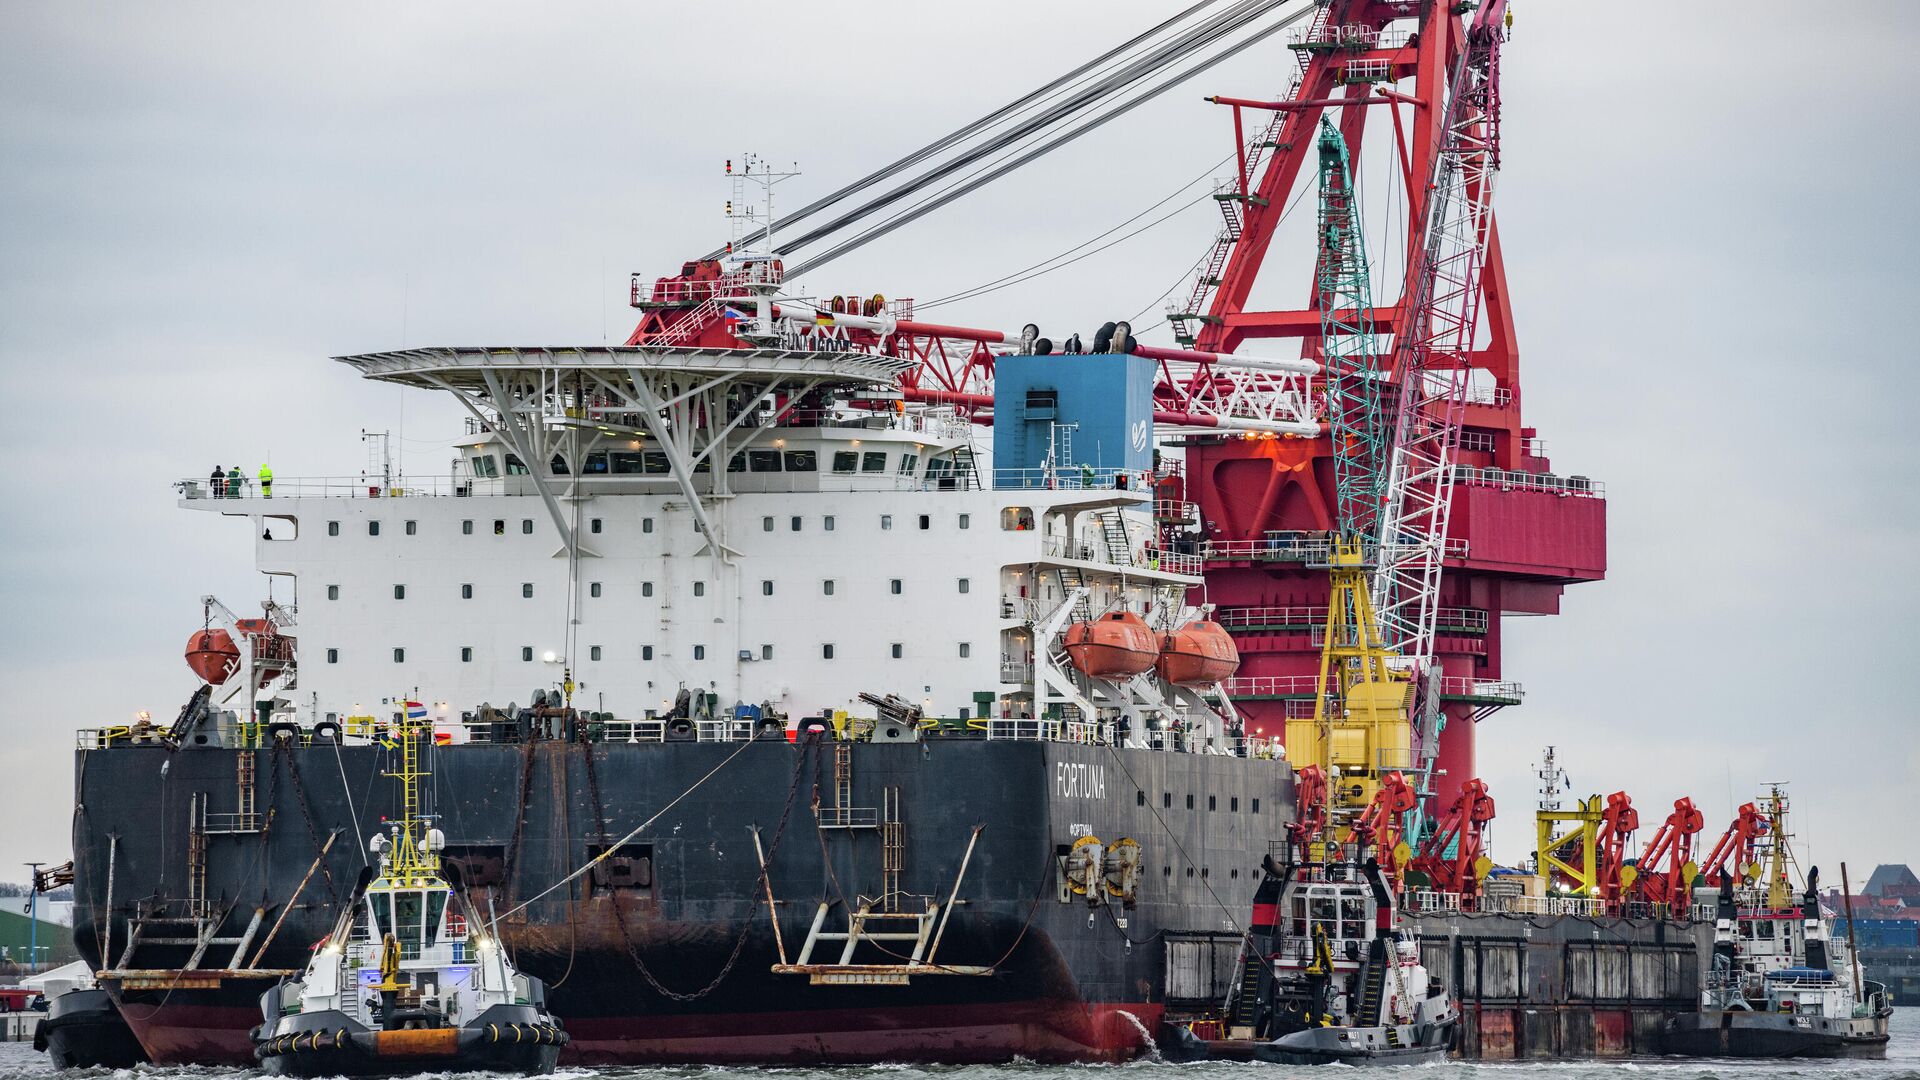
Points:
[755,527]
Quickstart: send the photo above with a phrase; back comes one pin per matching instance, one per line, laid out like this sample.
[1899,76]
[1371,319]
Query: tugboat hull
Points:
[1403,1044]
[330,1043]
[83,1030]
[1748,1034]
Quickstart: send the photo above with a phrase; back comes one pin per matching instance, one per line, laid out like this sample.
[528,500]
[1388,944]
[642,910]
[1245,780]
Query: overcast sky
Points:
[1704,223]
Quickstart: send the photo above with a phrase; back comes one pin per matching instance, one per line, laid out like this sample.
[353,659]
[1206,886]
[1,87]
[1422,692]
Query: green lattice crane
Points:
[1355,419]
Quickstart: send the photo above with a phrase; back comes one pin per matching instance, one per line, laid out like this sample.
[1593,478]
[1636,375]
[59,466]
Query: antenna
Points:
[1553,781]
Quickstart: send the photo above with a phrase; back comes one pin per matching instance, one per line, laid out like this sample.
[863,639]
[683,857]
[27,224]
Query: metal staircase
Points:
[1113,530]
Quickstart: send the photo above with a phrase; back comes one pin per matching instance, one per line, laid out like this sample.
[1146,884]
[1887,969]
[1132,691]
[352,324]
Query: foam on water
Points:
[19,1061]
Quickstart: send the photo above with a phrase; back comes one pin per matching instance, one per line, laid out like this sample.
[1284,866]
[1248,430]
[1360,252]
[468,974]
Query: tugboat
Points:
[1772,991]
[84,1030]
[410,980]
[1330,974]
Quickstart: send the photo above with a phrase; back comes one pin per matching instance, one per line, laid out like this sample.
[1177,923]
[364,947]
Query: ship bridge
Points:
[696,405]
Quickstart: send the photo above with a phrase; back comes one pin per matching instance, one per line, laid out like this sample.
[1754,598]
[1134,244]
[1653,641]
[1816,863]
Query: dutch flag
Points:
[416,711]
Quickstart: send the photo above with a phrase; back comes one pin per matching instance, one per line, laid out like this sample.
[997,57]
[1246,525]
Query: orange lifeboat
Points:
[1200,653]
[213,656]
[1115,646]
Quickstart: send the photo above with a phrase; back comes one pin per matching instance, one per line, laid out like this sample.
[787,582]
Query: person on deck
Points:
[234,482]
[217,483]
[266,482]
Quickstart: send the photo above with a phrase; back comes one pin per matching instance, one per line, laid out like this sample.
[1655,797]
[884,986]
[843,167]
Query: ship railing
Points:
[1481,689]
[103,738]
[1420,901]
[1016,671]
[1073,478]
[1044,730]
[1515,480]
[1271,686]
[321,487]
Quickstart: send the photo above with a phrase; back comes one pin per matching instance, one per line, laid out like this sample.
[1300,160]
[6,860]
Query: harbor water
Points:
[19,1060]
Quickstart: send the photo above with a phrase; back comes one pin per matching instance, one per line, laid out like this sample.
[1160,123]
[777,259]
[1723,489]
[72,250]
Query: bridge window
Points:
[484,466]
[909,463]
[737,463]
[845,462]
[801,461]
[873,461]
[516,467]
[558,466]
[763,460]
[599,463]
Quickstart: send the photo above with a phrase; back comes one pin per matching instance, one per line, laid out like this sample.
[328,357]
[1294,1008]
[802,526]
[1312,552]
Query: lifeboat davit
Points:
[213,656]
[1116,646]
[1200,653]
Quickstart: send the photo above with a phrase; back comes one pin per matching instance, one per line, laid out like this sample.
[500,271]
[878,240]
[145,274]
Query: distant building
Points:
[18,936]
[1892,880]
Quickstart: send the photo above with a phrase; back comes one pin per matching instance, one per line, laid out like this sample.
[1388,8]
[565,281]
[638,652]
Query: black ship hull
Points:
[665,952]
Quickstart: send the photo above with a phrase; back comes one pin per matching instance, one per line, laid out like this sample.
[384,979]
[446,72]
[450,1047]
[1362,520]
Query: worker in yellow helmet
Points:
[266,481]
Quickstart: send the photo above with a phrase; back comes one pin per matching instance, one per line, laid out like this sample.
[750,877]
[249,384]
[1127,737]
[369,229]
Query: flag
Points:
[416,711]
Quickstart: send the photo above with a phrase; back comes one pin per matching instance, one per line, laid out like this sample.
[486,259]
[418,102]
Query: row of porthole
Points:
[895,650]
[896,586]
[1167,871]
[1166,802]
[412,528]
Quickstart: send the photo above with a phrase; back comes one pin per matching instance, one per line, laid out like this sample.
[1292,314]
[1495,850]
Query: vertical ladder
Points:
[893,849]
[243,768]
[843,776]
[197,855]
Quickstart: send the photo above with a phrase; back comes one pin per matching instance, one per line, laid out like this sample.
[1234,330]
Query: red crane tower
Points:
[1514,534]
